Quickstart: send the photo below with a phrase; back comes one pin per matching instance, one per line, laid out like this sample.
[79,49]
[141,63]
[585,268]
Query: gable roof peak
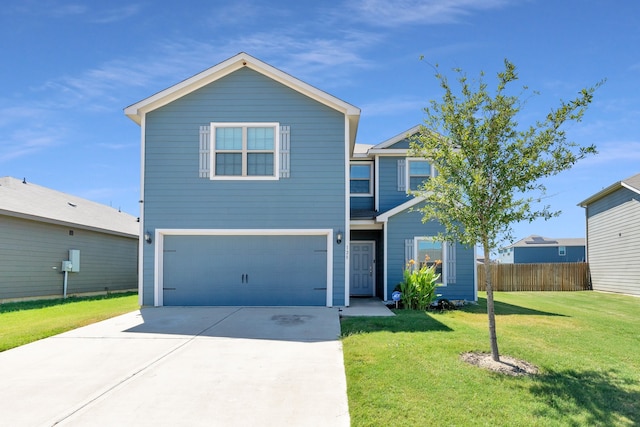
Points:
[136,111]
[397,138]
[632,183]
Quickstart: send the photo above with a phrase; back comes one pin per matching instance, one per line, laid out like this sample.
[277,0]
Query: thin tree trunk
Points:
[493,339]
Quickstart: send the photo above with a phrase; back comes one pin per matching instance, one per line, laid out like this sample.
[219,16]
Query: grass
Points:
[25,322]
[406,370]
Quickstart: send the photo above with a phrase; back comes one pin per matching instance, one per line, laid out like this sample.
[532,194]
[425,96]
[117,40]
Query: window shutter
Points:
[451,262]
[408,251]
[402,176]
[204,151]
[285,145]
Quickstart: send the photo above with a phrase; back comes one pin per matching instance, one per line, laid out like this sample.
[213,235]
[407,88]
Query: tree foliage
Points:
[489,168]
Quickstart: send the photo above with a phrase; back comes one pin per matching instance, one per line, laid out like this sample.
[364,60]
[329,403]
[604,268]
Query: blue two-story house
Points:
[253,193]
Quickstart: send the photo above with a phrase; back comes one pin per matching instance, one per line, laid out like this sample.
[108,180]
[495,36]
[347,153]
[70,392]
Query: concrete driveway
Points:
[182,366]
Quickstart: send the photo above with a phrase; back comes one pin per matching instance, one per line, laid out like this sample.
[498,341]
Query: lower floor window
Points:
[431,252]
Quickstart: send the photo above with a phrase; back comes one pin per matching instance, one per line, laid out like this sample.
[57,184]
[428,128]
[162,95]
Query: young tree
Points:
[488,168]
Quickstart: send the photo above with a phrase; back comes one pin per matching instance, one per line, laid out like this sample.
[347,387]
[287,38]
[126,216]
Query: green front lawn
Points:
[406,370]
[24,322]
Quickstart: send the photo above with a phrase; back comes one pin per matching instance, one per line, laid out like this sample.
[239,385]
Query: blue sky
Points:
[70,67]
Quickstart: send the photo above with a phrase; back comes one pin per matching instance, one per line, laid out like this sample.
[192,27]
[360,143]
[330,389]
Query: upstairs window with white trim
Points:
[361,179]
[244,150]
[562,251]
[418,171]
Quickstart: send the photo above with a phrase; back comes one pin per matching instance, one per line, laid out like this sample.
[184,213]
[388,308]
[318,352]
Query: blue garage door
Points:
[245,270]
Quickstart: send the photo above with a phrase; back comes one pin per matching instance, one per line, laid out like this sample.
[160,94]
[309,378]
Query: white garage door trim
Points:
[159,250]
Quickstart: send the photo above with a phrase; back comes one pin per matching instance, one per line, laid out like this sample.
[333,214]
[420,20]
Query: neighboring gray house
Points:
[537,249]
[613,237]
[38,228]
[253,194]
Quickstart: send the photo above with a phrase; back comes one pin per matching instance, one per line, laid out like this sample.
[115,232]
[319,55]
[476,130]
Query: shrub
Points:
[419,285]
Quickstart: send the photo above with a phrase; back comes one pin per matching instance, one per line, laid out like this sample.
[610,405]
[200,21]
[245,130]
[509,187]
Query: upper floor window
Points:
[562,250]
[244,150]
[418,171]
[361,179]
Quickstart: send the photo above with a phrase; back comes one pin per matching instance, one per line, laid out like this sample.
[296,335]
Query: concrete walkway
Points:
[176,366]
[369,307]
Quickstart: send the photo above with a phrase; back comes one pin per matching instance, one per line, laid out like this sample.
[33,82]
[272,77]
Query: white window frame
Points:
[370,192]
[244,126]
[562,251]
[443,274]
[408,173]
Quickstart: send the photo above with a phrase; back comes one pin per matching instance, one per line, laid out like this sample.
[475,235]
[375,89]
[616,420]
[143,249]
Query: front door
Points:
[362,267]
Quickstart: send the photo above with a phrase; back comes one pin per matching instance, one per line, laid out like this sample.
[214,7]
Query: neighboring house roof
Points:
[26,200]
[139,109]
[539,241]
[631,183]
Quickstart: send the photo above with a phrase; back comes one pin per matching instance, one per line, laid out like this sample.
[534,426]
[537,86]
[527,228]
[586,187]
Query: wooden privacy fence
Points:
[572,276]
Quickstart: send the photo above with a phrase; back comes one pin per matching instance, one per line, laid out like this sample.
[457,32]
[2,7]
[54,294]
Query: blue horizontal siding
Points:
[313,197]
[407,225]
[550,254]
[389,196]
[362,203]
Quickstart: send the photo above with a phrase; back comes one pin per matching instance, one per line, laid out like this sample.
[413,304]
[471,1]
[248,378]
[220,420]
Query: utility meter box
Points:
[66,266]
[74,258]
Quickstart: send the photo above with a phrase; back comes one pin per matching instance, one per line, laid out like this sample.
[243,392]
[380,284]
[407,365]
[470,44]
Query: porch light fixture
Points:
[339,237]
[147,237]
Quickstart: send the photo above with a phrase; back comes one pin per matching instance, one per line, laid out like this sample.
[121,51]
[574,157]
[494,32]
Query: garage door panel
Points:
[245,270]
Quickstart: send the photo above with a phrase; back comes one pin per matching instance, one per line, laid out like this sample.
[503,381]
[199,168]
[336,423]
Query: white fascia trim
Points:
[159,250]
[406,205]
[398,138]
[610,189]
[141,241]
[629,187]
[389,151]
[135,111]
[347,211]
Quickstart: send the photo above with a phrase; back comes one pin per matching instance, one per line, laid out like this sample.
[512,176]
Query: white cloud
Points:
[116,146]
[393,13]
[392,106]
[114,15]
[23,142]
[614,153]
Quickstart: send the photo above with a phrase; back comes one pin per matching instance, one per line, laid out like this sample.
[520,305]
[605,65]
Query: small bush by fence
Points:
[537,277]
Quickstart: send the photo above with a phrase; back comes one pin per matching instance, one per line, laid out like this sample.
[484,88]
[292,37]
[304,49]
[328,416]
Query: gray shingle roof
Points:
[633,181]
[27,200]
